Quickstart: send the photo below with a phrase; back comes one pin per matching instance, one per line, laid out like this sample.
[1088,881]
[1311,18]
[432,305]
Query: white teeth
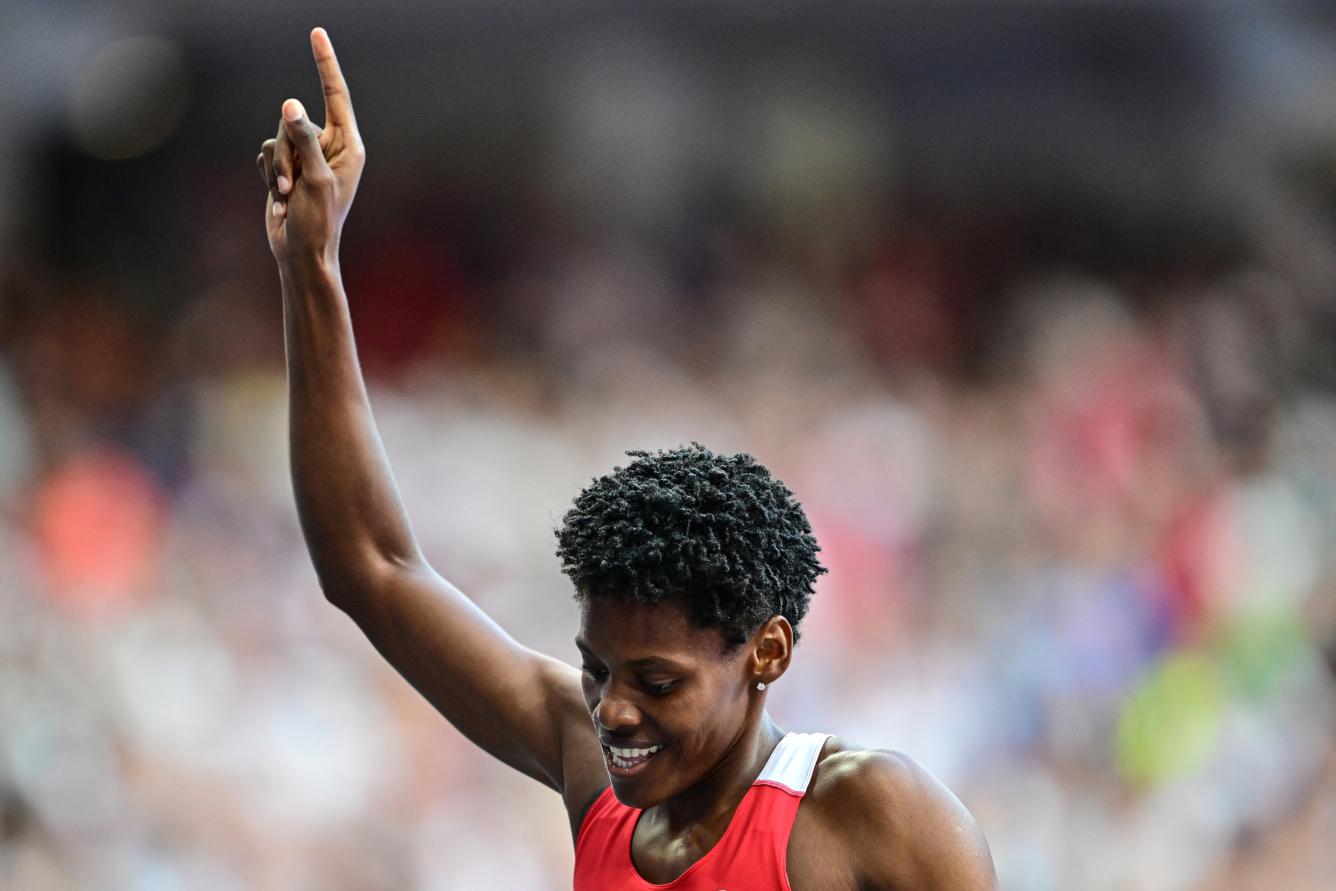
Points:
[627,754]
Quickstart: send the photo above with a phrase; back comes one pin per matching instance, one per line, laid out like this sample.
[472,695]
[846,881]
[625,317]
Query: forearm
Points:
[502,696]
[350,511]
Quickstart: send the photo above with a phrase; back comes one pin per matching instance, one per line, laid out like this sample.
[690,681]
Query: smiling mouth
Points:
[628,762]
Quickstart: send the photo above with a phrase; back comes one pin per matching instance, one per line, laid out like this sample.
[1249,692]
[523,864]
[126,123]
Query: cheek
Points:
[715,718]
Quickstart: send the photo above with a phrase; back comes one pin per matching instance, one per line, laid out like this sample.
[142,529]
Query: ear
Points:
[771,649]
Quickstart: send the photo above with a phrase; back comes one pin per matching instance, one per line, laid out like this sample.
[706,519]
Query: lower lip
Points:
[624,773]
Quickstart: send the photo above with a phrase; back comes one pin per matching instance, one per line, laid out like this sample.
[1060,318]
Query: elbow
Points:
[354,585]
[341,594]
[343,589]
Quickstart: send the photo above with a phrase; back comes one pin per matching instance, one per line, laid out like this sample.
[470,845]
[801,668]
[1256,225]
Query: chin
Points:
[646,784]
[636,795]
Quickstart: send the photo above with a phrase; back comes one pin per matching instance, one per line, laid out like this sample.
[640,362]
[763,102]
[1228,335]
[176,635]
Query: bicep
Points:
[522,707]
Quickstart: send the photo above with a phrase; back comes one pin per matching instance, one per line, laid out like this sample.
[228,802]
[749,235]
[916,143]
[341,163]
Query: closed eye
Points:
[662,689]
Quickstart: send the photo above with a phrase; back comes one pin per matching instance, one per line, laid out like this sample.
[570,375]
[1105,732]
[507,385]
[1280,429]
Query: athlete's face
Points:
[653,681]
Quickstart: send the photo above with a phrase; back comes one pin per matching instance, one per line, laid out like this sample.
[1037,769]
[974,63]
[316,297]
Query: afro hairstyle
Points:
[716,533]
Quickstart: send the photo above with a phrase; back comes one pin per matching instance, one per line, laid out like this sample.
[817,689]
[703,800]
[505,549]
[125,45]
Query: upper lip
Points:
[626,744]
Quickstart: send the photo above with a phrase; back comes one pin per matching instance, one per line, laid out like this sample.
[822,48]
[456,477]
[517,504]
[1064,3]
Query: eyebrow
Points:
[642,662]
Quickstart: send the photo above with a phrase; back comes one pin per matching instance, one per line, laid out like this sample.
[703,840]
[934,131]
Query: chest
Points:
[812,857]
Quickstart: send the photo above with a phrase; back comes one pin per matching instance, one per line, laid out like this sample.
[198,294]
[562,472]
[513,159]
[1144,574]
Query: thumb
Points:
[304,136]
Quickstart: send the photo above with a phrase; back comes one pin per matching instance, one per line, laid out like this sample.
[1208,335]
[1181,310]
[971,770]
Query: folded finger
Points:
[266,162]
[303,140]
[284,170]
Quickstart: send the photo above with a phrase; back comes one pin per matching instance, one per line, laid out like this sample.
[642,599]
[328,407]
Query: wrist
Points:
[299,268]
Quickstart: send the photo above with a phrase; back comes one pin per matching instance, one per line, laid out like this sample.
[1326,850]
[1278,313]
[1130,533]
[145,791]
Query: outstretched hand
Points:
[312,173]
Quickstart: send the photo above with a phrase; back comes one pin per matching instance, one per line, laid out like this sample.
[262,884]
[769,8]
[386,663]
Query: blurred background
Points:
[1032,304]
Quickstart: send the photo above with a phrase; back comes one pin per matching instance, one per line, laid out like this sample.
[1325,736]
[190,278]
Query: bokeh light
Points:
[99,523]
[129,97]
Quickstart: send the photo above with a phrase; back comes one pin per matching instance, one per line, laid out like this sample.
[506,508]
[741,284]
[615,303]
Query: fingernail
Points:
[284,184]
[279,208]
[292,110]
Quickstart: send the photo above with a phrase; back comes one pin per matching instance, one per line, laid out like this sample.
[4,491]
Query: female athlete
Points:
[692,573]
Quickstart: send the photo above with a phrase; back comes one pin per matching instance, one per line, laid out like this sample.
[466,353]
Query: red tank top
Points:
[751,855]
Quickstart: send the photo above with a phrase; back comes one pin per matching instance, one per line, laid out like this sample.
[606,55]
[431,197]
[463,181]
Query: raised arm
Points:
[524,708]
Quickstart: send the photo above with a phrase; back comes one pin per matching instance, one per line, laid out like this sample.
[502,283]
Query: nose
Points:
[615,713]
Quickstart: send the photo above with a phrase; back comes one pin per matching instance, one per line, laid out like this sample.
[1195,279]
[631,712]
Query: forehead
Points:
[624,630]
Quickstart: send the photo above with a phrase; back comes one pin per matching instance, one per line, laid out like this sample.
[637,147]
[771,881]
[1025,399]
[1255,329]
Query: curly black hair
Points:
[715,532]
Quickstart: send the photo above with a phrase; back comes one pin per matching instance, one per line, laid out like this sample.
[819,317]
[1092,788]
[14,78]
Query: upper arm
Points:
[905,829]
[522,707]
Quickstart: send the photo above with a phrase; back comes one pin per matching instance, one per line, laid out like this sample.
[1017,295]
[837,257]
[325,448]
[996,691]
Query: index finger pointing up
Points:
[338,104]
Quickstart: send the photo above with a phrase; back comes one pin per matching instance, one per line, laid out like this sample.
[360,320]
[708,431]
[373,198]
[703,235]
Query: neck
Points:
[716,796]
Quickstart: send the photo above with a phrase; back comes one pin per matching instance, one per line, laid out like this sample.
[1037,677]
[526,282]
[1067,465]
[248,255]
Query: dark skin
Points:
[871,820]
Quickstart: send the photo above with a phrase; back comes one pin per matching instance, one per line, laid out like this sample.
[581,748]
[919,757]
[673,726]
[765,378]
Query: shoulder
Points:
[903,828]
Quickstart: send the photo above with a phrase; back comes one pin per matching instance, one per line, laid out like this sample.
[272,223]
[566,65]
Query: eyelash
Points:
[598,675]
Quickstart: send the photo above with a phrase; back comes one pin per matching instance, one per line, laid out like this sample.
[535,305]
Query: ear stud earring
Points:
[760,685]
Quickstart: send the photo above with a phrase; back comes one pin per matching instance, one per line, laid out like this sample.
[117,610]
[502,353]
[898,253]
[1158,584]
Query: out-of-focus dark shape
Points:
[129,97]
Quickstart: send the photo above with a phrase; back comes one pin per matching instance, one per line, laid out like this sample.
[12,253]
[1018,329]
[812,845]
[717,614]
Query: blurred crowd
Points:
[1080,562]
[1075,485]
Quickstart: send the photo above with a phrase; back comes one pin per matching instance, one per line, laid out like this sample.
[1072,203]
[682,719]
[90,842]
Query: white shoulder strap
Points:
[793,760]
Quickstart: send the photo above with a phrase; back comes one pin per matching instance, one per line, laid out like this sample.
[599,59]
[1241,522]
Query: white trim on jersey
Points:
[792,762]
